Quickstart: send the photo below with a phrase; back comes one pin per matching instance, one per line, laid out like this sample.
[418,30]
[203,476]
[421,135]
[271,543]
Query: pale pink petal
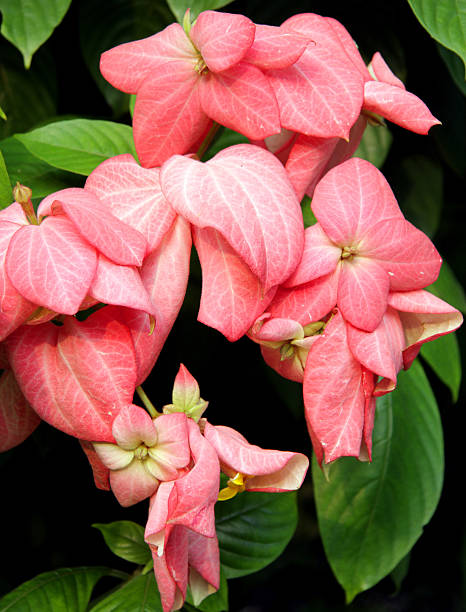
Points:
[292,366]
[242,99]
[160,508]
[126,66]
[133,426]
[133,194]
[204,563]
[381,71]
[232,296]
[168,117]
[404,252]
[275,48]
[362,292]
[112,456]
[320,257]
[132,484]
[399,106]
[271,470]
[17,419]
[424,317]
[77,376]
[334,397]
[94,220]
[380,351]
[172,449]
[120,285]
[186,391]
[276,330]
[171,570]
[351,198]
[51,264]
[14,213]
[320,95]
[307,303]
[222,38]
[244,193]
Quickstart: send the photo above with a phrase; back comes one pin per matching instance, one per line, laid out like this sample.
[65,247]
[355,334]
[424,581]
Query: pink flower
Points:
[213,71]
[17,419]
[362,247]
[146,452]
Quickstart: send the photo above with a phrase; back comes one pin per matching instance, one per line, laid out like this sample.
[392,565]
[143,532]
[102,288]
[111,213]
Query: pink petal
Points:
[133,194]
[126,66]
[186,391]
[171,570]
[51,264]
[204,559]
[380,351]
[404,252]
[399,106]
[381,71]
[222,38]
[320,95]
[362,292]
[132,484]
[172,447]
[112,456]
[99,470]
[307,303]
[133,427]
[93,219]
[271,470]
[120,285]
[369,416]
[275,48]
[276,330]
[17,419]
[245,194]
[78,376]
[333,394]
[168,117]
[351,198]
[320,257]
[242,99]
[232,296]
[424,317]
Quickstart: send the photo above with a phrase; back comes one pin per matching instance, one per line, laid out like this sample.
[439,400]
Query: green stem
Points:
[147,403]
[208,140]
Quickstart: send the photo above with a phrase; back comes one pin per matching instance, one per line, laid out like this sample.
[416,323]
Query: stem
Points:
[208,140]
[147,403]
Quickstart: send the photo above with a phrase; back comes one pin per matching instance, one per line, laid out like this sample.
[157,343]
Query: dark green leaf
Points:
[104,25]
[371,514]
[227,138]
[126,540]
[455,67]
[419,191]
[253,529]
[443,356]
[63,589]
[400,572]
[29,170]
[179,7]
[5,185]
[217,602]
[375,144]
[79,145]
[139,594]
[308,216]
[28,23]
[448,288]
[445,20]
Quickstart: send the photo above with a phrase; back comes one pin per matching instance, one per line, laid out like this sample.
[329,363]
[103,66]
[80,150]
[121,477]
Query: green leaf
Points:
[309,217]
[63,589]
[375,144]
[6,197]
[104,25]
[79,145]
[419,191]
[448,288]
[2,114]
[29,23]
[400,572]
[139,594]
[253,529]
[217,602]
[31,171]
[179,7]
[126,540]
[227,138]
[445,20]
[455,67]
[371,514]
[443,356]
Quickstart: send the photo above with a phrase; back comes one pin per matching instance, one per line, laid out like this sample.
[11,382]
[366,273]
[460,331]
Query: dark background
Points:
[49,499]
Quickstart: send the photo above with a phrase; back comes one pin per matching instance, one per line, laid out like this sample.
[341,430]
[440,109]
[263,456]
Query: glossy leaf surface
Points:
[140,594]
[126,540]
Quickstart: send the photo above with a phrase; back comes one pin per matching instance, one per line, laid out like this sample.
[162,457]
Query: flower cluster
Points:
[91,286]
